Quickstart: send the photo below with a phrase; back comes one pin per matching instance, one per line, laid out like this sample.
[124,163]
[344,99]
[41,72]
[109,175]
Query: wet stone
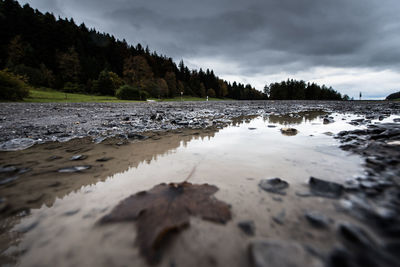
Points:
[247,227]
[74,169]
[274,253]
[324,188]
[328,120]
[17,144]
[8,169]
[317,220]
[280,217]
[136,136]
[52,158]
[274,185]
[104,159]
[289,131]
[393,248]
[8,180]
[71,212]
[78,157]
[340,258]
[355,236]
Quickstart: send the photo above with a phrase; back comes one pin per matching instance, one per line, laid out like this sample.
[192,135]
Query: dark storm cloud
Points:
[316,32]
[255,35]
[333,33]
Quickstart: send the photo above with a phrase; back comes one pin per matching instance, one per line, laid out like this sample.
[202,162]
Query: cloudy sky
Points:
[352,45]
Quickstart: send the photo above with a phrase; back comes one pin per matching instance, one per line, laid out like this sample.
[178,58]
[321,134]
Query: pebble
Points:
[247,227]
[274,185]
[279,253]
[75,169]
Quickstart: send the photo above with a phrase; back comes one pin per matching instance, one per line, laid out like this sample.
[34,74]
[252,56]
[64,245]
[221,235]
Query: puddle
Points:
[60,229]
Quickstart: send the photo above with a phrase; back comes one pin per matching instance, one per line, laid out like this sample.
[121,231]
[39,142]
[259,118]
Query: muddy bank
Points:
[61,122]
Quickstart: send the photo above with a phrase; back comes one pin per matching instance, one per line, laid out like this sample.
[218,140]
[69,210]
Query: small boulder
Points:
[324,188]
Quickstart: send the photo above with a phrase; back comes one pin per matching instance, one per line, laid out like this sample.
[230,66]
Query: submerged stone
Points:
[274,185]
[103,159]
[78,157]
[8,180]
[274,253]
[280,217]
[289,131]
[247,227]
[328,120]
[17,144]
[75,169]
[324,188]
[355,236]
[317,220]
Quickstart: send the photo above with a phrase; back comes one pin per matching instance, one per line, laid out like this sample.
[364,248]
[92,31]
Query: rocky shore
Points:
[38,123]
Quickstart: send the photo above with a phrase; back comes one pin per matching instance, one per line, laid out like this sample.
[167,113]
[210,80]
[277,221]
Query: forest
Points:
[300,90]
[394,96]
[57,53]
[44,51]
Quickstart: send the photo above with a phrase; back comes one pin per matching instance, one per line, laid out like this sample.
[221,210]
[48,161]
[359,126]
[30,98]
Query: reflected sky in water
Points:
[234,159]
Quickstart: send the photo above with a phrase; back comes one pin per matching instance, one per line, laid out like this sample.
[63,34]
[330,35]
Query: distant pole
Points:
[360,95]
[181,96]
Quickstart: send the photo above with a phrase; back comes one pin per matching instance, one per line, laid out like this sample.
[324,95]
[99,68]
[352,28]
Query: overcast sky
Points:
[351,45]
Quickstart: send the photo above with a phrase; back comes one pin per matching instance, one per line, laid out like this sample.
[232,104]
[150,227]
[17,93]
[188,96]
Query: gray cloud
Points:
[257,35]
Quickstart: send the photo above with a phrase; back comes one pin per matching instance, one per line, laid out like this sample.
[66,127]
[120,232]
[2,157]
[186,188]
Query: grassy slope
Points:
[189,98]
[48,95]
[56,96]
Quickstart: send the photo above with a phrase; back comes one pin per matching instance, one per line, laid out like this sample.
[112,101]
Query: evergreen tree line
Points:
[393,96]
[300,90]
[57,53]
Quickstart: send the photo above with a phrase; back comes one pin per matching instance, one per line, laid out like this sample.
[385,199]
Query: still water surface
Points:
[234,159]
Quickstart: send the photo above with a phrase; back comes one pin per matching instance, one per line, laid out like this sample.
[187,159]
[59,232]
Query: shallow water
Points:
[63,231]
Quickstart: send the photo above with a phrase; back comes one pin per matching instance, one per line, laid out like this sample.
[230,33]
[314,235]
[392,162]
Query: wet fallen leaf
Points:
[166,209]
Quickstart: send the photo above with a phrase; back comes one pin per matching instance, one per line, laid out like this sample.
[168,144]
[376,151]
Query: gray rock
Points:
[17,144]
[8,180]
[104,159]
[274,253]
[317,220]
[247,227]
[274,185]
[289,131]
[74,169]
[280,217]
[78,157]
[324,188]
[328,120]
[355,236]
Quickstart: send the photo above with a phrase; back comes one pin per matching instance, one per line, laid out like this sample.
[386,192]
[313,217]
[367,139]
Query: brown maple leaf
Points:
[165,209]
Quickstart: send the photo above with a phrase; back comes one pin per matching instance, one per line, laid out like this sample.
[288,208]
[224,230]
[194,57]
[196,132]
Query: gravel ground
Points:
[61,122]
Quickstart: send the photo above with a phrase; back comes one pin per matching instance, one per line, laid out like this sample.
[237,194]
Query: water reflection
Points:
[233,159]
[41,184]
[295,118]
